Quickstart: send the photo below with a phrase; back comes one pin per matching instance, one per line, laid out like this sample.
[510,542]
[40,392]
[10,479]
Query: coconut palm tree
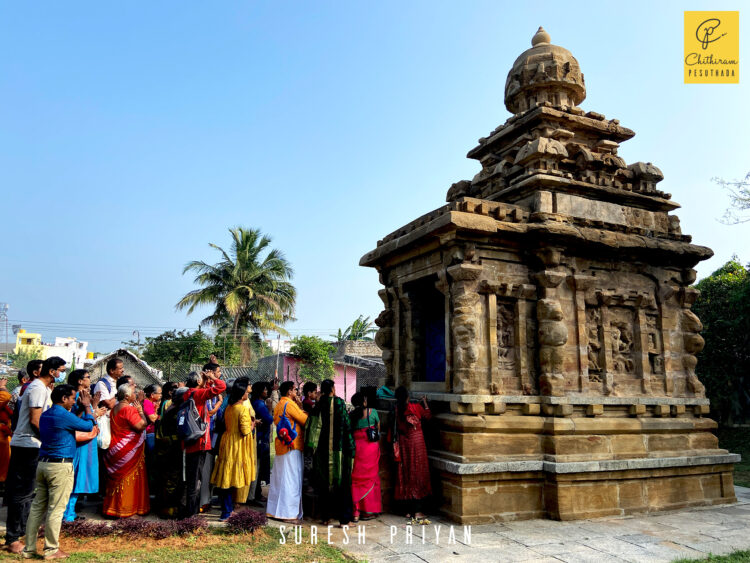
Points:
[249,288]
[360,329]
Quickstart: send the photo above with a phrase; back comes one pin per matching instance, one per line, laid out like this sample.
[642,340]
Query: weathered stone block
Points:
[678,410]
[668,442]
[675,492]
[574,445]
[467,408]
[632,495]
[495,407]
[589,500]
[481,445]
[594,410]
[627,446]
[531,408]
[703,441]
[701,410]
[661,410]
[564,410]
[711,485]
[637,410]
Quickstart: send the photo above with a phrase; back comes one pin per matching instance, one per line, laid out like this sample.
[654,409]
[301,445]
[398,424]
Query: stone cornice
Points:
[482,468]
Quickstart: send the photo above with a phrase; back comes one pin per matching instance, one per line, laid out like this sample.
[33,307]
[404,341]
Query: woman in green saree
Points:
[329,434]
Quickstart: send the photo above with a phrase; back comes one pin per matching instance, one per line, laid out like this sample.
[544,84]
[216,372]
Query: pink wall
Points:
[345,388]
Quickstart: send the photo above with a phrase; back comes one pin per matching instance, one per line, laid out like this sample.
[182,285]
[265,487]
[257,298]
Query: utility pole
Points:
[4,317]
[278,356]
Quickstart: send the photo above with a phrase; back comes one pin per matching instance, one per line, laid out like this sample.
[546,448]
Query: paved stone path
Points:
[692,534]
[663,537]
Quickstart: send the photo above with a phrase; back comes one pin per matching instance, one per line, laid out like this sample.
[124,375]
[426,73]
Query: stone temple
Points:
[545,312]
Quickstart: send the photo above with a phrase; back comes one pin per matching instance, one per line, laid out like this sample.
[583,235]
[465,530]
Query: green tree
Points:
[724,364]
[315,354]
[360,329]
[176,350]
[249,288]
[178,347]
[25,355]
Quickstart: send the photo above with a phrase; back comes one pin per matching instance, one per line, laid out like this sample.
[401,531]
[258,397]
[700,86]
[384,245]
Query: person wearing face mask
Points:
[25,451]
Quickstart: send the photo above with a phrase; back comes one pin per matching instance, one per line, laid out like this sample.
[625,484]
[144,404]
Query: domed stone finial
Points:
[541,37]
[546,74]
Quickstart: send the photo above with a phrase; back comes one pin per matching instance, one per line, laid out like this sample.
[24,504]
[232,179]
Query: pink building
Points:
[345,379]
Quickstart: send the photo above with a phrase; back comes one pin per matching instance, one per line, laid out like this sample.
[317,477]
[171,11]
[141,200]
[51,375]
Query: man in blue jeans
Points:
[54,474]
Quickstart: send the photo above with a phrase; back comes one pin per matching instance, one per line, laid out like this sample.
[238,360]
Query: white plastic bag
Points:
[105,436]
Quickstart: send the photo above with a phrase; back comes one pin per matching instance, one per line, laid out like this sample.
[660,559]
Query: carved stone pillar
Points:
[408,337]
[387,337]
[443,286]
[465,333]
[643,366]
[579,284]
[553,334]
[524,348]
[692,341]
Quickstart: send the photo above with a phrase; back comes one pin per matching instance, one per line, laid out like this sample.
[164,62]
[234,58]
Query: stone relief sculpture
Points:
[553,334]
[594,350]
[694,343]
[505,337]
[465,328]
[655,351]
[621,331]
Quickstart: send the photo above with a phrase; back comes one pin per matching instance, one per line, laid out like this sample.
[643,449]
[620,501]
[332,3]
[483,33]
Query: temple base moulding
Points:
[474,493]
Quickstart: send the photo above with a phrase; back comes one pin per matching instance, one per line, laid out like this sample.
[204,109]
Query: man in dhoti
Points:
[285,493]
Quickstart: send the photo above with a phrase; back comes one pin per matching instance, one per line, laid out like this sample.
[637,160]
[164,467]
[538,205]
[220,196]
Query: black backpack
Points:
[190,424]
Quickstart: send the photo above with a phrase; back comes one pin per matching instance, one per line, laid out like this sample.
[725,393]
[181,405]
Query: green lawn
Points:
[737,441]
[235,548]
[736,557]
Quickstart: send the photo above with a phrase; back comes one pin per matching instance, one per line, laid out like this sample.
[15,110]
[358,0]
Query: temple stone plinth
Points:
[545,311]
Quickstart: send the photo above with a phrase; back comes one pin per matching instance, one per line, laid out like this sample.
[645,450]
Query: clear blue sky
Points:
[132,135]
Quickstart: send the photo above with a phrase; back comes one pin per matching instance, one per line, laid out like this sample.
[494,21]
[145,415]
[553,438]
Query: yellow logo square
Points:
[712,48]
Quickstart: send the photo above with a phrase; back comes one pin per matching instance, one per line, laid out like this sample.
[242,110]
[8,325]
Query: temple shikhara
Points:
[545,312]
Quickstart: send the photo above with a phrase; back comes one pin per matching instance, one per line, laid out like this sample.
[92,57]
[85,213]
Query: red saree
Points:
[365,475]
[413,482]
[127,484]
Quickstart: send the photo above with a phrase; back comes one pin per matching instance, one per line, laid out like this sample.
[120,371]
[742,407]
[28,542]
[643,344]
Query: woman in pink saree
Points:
[125,460]
[365,474]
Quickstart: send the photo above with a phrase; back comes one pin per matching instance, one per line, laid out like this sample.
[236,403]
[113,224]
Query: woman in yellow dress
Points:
[241,494]
[234,468]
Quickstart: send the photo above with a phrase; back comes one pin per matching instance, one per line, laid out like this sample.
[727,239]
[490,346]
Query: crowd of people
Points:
[172,449]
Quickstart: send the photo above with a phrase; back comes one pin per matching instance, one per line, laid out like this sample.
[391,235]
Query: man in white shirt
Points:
[24,447]
[107,385]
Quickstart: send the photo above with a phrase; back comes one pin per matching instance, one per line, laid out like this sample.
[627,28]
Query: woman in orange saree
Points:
[125,460]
